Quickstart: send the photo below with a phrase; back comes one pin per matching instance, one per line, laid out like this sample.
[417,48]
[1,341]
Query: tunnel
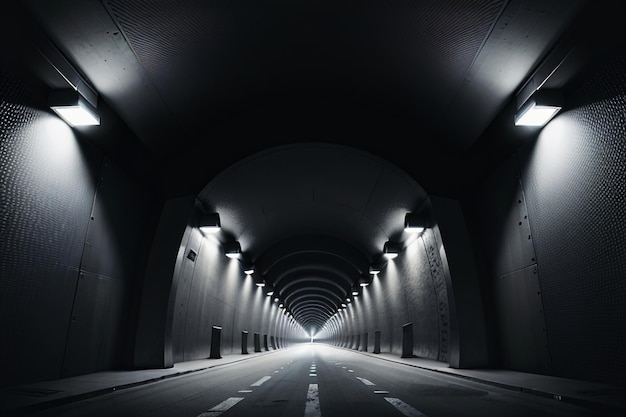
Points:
[273,176]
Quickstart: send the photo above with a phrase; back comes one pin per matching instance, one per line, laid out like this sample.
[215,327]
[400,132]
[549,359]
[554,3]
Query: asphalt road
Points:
[313,381]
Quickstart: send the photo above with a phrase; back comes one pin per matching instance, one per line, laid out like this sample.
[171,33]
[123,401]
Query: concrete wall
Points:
[72,230]
[550,223]
[423,303]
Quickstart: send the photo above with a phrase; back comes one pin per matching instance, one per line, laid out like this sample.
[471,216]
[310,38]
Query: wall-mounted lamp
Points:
[248,267]
[355,291]
[233,250]
[364,281]
[415,222]
[209,223]
[374,270]
[260,282]
[269,289]
[539,108]
[391,250]
[73,108]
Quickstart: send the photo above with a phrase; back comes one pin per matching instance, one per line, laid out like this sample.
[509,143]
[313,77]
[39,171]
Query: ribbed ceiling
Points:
[311,127]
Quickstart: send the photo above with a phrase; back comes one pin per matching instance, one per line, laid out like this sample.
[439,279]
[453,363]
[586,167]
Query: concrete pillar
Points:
[265,343]
[407,340]
[257,342]
[216,342]
[244,342]
[365,336]
[377,341]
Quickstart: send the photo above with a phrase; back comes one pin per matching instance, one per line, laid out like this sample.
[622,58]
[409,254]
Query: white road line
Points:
[260,381]
[221,407]
[244,390]
[380,391]
[365,381]
[312,402]
[404,408]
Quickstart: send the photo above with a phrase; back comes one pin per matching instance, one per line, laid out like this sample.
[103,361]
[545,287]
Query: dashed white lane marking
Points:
[221,407]
[260,381]
[404,408]
[365,381]
[380,391]
[312,402]
[350,370]
[243,391]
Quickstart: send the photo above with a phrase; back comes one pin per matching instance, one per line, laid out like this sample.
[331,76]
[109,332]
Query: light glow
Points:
[536,115]
[77,115]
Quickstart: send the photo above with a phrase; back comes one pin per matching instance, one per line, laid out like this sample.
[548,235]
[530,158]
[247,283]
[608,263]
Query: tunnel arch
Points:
[311,218]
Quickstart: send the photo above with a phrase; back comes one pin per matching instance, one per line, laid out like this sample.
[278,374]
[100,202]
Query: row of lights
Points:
[414,223]
[210,223]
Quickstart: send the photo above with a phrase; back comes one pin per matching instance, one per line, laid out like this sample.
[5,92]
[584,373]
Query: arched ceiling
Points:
[311,127]
[312,218]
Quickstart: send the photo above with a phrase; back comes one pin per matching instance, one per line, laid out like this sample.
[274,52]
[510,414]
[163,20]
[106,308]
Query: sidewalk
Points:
[24,399]
[602,397]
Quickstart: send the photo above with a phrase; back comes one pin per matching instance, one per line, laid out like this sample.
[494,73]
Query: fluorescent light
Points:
[73,108]
[536,115]
[391,250]
[233,250]
[209,223]
[542,106]
[415,223]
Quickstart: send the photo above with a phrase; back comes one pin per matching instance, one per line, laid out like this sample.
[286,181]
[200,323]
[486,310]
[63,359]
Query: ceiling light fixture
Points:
[539,108]
[248,267]
[73,108]
[391,250]
[364,281]
[209,223]
[415,222]
[233,250]
[77,103]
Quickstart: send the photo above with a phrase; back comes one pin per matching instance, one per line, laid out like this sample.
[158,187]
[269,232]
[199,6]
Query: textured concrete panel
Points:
[520,318]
